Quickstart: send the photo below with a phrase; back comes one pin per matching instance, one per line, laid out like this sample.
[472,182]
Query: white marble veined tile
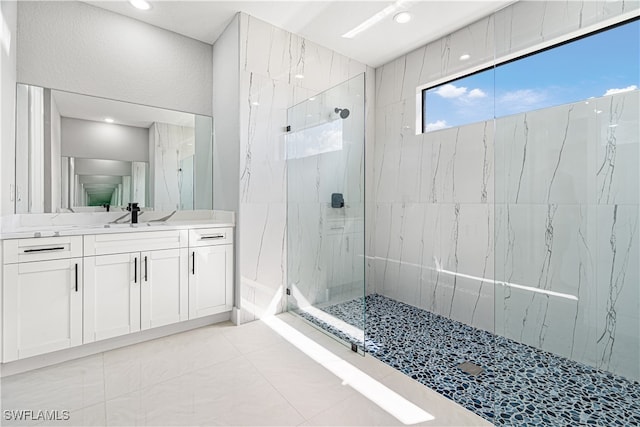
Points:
[280,55]
[475,40]
[385,154]
[398,156]
[460,167]
[408,261]
[618,148]
[466,259]
[545,257]
[399,79]
[389,82]
[266,49]
[430,248]
[263,243]
[543,155]
[418,262]
[618,295]
[263,111]
[412,68]
[525,24]
[308,269]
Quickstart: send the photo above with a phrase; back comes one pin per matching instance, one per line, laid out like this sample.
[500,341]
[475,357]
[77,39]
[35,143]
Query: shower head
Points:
[343,112]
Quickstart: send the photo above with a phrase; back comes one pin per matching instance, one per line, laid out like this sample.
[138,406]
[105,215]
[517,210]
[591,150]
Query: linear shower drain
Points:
[471,368]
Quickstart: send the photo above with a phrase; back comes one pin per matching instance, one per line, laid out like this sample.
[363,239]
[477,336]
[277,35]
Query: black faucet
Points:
[134,209]
[106,206]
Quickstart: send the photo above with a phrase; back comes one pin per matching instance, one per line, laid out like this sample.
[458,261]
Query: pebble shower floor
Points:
[520,385]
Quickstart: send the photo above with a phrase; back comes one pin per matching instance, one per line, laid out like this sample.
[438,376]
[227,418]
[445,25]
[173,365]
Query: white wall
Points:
[97,140]
[8,64]
[102,167]
[80,48]
[226,116]
[203,163]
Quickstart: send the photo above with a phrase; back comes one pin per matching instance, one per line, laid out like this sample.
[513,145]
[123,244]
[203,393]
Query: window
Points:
[589,67]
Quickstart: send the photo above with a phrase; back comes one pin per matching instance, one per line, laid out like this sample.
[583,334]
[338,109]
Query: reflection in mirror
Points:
[100,182]
[81,153]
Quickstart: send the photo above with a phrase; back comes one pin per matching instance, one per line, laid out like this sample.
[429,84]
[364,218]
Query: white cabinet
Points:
[211,274]
[41,298]
[164,287]
[59,292]
[112,296]
[133,291]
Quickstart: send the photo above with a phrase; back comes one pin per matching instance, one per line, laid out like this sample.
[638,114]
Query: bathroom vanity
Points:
[68,286]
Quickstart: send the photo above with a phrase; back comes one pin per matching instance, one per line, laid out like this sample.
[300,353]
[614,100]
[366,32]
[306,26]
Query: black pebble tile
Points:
[520,385]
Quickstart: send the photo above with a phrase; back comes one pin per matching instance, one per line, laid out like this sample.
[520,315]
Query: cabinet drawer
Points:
[42,249]
[210,236]
[119,243]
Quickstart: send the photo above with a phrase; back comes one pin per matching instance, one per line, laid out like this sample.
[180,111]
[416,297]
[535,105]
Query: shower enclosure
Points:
[325,209]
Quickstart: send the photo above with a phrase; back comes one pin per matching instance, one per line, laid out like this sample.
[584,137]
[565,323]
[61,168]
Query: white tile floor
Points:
[227,375]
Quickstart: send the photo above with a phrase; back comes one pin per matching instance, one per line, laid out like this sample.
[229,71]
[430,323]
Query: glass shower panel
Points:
[568,201]
[325,209]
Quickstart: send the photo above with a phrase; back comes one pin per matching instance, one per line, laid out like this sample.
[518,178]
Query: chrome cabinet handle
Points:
[57,248]
[145,269]
[193,263]
[135,270]
[76,277]
[215,236]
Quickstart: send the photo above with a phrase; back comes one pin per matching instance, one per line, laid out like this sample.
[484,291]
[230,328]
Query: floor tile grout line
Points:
[171,377]
[276,389]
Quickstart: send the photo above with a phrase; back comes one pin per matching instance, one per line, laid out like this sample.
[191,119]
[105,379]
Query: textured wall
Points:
[434,218]
[269,60]
[80,48]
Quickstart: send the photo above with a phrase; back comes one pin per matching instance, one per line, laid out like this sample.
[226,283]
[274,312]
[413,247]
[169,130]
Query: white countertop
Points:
[80,230]
[78,224]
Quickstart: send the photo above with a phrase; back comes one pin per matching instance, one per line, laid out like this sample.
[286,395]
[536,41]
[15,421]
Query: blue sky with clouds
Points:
[590,67]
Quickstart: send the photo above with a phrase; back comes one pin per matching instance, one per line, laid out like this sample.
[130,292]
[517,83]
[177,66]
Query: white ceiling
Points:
[322,22]
[123,113]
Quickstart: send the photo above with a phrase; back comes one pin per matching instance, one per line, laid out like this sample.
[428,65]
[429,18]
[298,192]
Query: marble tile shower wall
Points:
[567,216]
[270,59]
[436,204]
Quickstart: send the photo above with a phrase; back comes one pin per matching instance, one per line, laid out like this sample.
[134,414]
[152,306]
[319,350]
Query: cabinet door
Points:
[111,296]
[164,287]
[42,307]
[210,280]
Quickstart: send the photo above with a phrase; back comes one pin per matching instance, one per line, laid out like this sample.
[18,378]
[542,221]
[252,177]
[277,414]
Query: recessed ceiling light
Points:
[387,11]
[464,57]
[140,4]
[299,76]
[402,17]
[313,98]
[108,120]
[255,103]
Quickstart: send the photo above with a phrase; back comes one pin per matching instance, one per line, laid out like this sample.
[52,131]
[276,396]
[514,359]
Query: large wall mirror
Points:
[79,153]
